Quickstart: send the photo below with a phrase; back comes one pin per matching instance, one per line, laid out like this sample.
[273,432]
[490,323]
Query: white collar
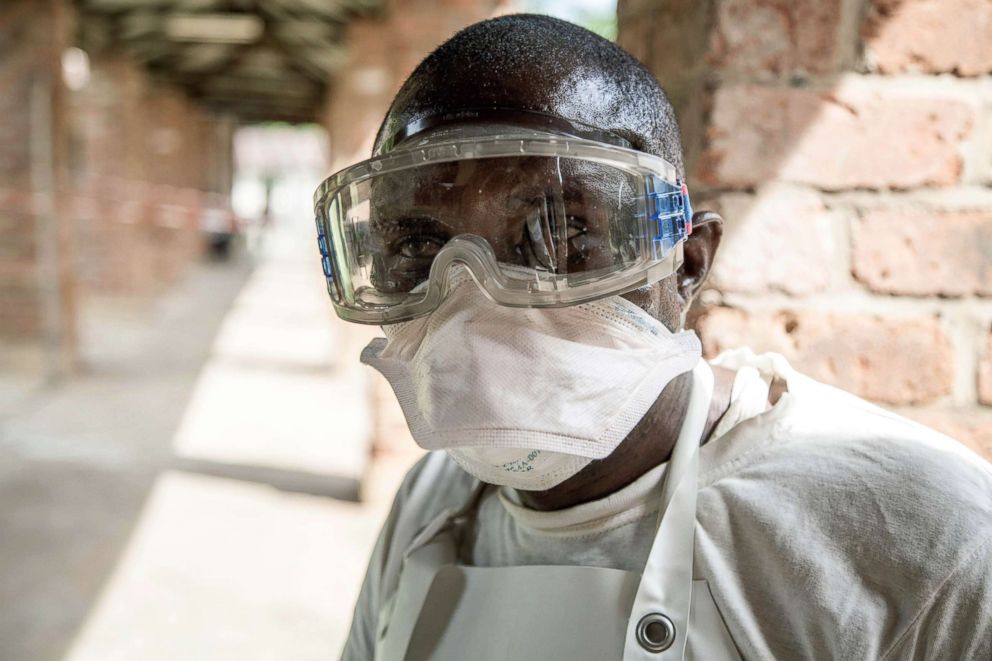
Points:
[749,397]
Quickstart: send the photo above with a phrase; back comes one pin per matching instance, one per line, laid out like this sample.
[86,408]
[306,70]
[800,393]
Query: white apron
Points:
[443,610]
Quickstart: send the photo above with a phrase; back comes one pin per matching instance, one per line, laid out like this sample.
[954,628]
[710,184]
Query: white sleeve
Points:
[360,645]
[433,484]
[956,622]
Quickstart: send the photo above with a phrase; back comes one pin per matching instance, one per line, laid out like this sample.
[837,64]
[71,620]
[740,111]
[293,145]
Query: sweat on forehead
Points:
[540,64]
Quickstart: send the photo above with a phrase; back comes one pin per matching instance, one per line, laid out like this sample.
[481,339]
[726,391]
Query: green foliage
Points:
[600,16]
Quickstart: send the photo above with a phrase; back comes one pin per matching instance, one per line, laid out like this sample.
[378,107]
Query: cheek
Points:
[660,300]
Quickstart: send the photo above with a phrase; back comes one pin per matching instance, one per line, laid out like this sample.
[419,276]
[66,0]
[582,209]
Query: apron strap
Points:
[659,618]
[447,519]
[424,556]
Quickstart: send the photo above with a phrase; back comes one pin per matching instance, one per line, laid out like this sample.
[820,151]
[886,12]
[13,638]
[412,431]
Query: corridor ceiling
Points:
[262,60]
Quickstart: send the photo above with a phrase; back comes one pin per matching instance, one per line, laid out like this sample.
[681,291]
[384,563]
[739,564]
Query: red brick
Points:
[971,428]
[921,253]
[634,8]
[985,372]
[634,35]
[33,35]
[20,310]
[18,237]
[756,36]
[780,240]
[894,361]
[932,36]
[148,149]
[846,138]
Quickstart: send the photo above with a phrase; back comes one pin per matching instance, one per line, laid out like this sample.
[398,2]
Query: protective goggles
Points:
[539,217]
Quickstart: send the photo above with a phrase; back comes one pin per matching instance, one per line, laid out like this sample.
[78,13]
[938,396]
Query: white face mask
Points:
[527,397]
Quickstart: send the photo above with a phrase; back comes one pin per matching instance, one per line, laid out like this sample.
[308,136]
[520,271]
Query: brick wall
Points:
[382,51]
[101,189]
[146,160]
[36,294]
[848,144]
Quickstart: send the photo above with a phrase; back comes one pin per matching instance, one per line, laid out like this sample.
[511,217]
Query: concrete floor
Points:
[194,494]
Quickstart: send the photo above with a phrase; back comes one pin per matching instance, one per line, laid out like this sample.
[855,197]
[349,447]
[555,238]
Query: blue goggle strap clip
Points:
[670,210]
[323,245]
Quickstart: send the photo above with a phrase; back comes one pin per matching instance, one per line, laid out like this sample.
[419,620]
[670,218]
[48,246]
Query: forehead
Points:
[579,92]
[488,122]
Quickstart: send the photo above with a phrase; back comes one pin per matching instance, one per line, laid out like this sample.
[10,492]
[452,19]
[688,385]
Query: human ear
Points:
[698,252]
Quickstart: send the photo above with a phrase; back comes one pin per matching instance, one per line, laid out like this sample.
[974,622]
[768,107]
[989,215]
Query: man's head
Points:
[540,64]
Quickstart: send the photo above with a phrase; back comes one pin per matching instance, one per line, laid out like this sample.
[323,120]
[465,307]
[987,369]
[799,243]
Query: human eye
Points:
[584,243]
[416,239]
[578,235]
[576,227]
[420,247]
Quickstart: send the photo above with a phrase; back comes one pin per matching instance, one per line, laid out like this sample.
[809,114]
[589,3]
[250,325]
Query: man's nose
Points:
[524,238]
[515,210]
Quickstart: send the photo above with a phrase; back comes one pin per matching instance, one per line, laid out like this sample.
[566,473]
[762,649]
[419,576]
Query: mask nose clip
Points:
[470,257]
[466,253]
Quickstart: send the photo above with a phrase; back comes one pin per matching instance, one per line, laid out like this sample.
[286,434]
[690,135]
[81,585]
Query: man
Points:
[524,238]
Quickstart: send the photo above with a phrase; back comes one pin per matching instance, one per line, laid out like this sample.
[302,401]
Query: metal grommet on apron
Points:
[443,609]
[655,632]
[664,594]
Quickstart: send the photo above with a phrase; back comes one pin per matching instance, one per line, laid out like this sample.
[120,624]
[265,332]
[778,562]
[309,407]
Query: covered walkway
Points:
[193,464]
[206,491]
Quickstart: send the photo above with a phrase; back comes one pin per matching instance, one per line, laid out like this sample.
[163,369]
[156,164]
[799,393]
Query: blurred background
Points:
[194,465]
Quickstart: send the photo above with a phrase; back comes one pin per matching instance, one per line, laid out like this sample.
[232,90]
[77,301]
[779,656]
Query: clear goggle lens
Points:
[545,223]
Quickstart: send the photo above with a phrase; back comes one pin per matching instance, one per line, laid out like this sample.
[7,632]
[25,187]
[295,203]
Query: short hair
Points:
[541,64]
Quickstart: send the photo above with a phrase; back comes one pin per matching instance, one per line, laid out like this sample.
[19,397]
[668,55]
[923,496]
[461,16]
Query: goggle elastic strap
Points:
[502,117]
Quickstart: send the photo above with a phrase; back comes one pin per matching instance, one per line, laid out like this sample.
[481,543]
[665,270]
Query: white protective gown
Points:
[826,528]
[445,610]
